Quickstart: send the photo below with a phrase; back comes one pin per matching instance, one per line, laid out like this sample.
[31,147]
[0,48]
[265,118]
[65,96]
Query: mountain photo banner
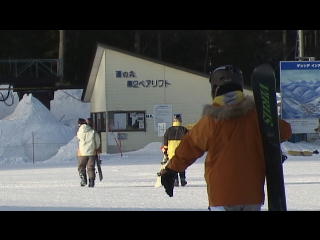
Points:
[300,94]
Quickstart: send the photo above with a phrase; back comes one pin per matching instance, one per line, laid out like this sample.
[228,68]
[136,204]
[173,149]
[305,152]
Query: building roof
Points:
[87,91]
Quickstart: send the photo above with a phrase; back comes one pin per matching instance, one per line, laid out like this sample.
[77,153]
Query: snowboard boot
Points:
[83,178]
[91,183]
[183,182]
[176,182]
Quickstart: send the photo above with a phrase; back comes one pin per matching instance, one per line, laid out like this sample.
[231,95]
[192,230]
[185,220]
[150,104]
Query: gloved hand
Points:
[165,153]
[167,180]
[164,160]
[283,158]
[164,150]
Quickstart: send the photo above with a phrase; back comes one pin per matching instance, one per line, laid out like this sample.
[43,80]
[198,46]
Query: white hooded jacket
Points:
[89,141]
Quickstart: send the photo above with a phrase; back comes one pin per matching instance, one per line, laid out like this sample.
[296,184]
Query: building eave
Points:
[88,90]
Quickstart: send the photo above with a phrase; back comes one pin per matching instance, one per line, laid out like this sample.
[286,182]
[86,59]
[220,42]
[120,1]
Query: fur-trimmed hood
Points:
[229,111]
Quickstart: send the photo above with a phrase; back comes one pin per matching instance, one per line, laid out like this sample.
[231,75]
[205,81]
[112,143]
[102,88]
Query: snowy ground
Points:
[128,186]
[53,184]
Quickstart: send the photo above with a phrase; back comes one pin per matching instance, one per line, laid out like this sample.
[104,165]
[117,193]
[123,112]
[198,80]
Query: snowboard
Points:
[263,84]
[164,163]
[99,168]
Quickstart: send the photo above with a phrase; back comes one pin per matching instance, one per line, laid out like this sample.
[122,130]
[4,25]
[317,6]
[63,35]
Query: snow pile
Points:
[12,100]
[151,148]
[66,153]
[31,132]
[67,107]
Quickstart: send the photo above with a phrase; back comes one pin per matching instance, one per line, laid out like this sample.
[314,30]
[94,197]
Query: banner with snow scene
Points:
[300,93]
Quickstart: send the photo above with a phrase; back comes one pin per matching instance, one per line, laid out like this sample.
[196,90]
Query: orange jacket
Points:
[234,165]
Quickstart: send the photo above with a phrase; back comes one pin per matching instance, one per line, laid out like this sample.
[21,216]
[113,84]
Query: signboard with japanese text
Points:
[133,81]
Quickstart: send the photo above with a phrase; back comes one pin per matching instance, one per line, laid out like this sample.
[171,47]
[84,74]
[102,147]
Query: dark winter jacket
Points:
[234,165]
[172,137]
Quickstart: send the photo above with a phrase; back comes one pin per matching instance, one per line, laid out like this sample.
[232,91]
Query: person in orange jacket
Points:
[229,132]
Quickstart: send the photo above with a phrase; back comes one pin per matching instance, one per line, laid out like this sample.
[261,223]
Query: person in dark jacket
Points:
[171,141]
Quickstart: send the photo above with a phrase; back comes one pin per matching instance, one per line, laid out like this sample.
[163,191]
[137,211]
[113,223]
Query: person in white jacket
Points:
[89,143]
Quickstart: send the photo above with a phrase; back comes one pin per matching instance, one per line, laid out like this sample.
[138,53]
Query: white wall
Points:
[98,98]
[187,93]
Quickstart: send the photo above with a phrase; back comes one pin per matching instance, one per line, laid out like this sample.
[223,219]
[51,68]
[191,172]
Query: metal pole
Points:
[32,148]
[301,43]
[61,52]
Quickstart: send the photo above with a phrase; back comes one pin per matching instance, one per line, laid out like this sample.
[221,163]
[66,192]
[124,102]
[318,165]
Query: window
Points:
[99,121]
[126,121]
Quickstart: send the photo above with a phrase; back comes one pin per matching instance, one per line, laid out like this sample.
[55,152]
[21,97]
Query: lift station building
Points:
[133,98]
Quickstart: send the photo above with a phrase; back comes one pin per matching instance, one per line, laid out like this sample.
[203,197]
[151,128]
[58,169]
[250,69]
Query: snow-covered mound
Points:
[67,107]
[151,148]
[12,101]
[31,132]
[66,153]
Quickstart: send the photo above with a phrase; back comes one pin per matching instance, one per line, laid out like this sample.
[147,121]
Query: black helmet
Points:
[177,117]
[225,75]
[226,78]
[81,121]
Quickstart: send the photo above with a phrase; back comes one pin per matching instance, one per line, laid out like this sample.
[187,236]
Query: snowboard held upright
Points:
[163,164]
[263,83]
[99,167]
